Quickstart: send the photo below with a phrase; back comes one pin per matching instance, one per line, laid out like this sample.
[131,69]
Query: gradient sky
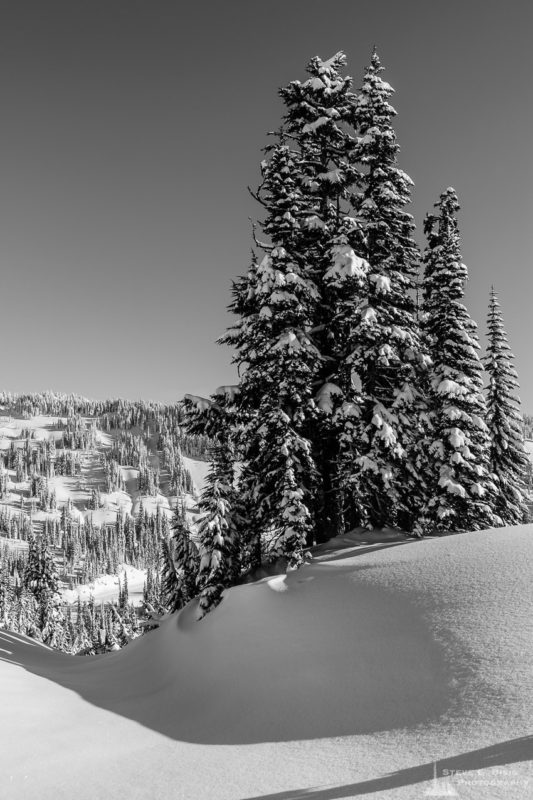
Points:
[130,130]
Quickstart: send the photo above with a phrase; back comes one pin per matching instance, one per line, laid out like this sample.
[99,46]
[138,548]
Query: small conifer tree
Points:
[508,460]
[180,563]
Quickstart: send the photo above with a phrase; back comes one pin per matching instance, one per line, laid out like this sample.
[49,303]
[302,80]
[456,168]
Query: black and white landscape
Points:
[313,581]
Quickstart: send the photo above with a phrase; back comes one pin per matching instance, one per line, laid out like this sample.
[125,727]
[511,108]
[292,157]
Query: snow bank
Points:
[380,664]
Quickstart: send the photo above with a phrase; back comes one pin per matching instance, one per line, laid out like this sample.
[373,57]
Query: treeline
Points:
[83,551]
[149,417]
[54,404]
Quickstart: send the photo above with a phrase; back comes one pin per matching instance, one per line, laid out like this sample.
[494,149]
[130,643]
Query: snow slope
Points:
[198,471]
[365,673]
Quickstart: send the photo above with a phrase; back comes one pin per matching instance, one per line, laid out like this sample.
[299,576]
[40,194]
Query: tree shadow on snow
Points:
[364,548]
[512,751]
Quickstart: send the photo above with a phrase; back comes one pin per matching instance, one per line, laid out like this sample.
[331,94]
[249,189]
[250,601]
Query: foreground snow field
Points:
[381,664]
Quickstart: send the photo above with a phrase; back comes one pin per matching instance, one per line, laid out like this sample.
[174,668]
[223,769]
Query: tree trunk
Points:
[330,515]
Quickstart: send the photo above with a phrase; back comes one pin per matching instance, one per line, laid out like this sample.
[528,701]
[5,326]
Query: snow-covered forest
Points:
[89,494]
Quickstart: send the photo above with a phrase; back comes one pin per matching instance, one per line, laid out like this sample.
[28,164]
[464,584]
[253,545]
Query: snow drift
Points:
[364,669]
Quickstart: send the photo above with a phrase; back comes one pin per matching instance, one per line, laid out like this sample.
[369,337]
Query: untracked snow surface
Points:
[390,669]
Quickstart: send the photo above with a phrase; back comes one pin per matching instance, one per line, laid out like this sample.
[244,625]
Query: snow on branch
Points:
[201,404]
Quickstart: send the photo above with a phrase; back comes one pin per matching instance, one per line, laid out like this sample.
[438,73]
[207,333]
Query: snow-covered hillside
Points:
[368,672]
[61,473]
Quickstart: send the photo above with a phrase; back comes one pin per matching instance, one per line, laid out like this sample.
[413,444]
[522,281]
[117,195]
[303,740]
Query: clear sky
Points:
[130,130]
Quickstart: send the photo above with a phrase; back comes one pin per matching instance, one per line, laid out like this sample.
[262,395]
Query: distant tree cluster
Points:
[82,550]
[34,608]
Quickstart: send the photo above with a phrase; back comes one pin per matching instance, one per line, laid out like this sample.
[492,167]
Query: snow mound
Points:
[372,670]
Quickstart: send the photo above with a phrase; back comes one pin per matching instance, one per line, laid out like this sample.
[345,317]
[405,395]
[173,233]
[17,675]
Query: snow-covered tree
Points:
[220,543]
[508,460]
[390,359]
[321,121]
[457,445]
[277,360]
[82,639]
[42,580]
[286,470]
[298,309]
[279,384]
[220,554]
[180,563]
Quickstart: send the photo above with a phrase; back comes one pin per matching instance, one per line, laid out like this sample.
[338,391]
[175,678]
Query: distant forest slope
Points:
[97,482]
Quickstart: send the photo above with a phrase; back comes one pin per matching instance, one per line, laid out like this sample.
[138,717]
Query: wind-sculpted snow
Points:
[348,677]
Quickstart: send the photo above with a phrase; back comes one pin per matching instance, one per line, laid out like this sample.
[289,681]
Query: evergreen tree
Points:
[42,580]
[220,545]
[460,486]
[180,563]
[284,464]
[6,592]
[124,597]
[219,564]
[81,638]
[508,459]
[389,356]
[277,361]
[321,119]
[298,309]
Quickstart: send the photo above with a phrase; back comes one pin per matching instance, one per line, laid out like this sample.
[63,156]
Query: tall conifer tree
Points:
[277,359]
[460,488]
[390,356]
[298,310]
[321,121]
[508,459]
